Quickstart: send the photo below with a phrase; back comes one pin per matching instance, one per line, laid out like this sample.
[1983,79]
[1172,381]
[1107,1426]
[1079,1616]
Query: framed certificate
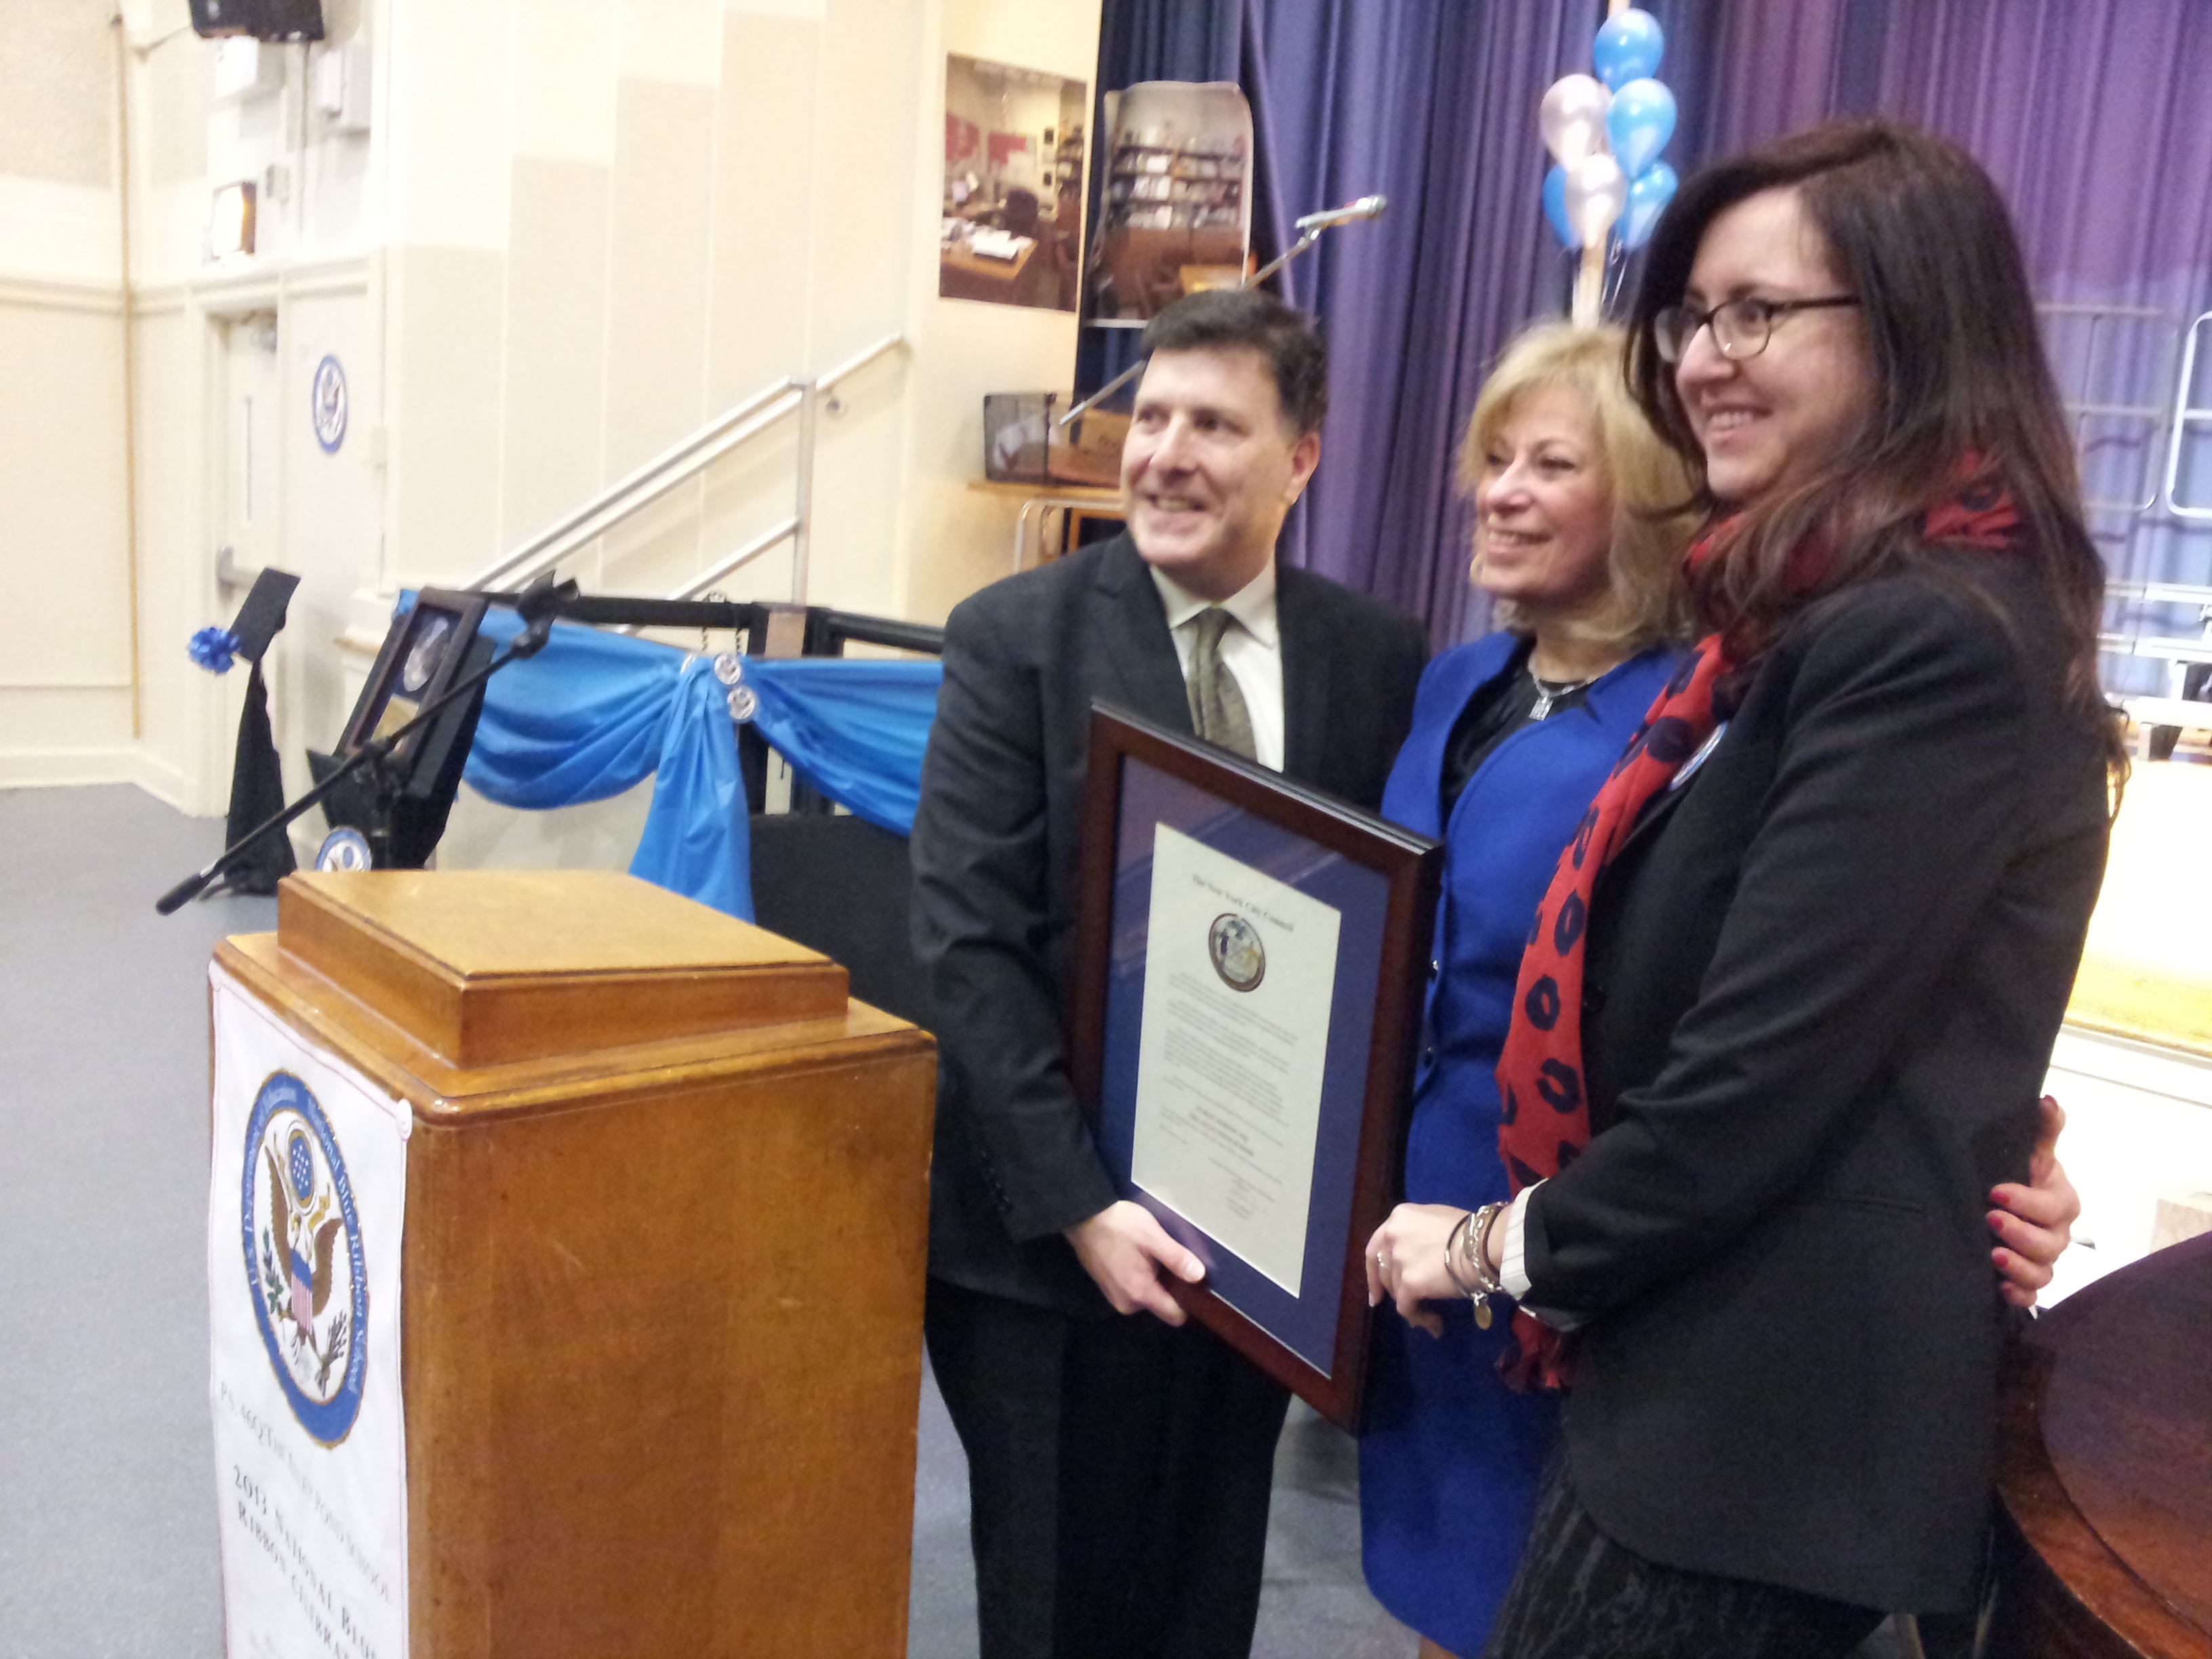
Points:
[1250,960]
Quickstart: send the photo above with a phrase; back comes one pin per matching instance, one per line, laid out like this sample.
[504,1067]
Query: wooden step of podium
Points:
[491,965]
[667,1202]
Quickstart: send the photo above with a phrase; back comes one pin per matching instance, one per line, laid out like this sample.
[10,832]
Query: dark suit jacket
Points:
[995,848]
[1823,982]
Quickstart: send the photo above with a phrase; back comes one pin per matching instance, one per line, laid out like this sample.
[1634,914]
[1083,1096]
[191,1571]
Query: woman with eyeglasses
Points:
[1779,1031]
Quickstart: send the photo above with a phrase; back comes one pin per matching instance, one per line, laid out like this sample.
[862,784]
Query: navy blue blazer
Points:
[1822,984]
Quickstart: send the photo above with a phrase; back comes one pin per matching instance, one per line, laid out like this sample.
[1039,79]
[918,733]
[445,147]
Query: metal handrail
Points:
[745,556]
[2159,593]
[855,363]
[615,493]
[2185,414]
[2144,645]
[685,459]
[2150,417]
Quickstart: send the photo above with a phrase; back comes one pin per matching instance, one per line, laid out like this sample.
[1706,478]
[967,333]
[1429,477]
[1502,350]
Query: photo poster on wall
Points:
[1176,209]
[1012,227]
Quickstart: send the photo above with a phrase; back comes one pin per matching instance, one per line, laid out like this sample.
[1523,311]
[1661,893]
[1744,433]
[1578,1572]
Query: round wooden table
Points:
[2105,1470]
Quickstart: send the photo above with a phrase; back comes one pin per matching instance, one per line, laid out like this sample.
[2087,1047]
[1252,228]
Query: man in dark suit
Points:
[1119,1460]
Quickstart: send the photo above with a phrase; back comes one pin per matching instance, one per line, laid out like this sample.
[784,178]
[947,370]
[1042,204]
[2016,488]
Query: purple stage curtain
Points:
[1433,104]
[2092,116]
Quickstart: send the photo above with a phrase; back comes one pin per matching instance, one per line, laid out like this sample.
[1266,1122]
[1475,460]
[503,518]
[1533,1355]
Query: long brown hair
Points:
[1918,232]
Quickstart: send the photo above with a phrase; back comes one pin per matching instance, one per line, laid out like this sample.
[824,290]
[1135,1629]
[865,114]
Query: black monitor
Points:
[263,20]
[433,644]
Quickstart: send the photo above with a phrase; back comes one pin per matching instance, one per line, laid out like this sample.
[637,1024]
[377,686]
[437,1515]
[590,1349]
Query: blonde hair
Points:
[1654,500]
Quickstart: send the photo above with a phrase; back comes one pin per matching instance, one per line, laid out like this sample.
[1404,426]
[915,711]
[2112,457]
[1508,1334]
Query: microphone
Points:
[1367,207]
[544,599]
[539,605]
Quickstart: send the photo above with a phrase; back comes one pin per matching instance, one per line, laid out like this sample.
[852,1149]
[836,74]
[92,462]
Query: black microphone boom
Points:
[1367,207]
[538,604]
[544,599]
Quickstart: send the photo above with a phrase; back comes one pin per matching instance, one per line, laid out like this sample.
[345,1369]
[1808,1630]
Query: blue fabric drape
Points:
[855,730]
[593,714]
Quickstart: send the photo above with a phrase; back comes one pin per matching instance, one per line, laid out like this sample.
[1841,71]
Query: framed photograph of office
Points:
[1175,208]
[1012,232]
[1250,962]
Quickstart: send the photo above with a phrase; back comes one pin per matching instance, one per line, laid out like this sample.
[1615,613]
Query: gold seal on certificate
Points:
[1238,955]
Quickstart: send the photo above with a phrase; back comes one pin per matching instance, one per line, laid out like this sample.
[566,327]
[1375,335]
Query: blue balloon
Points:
[1628,48]
[1555,206]
[1639,123]
[1649,193]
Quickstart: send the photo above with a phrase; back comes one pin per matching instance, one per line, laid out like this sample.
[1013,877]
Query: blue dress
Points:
[1449,1460]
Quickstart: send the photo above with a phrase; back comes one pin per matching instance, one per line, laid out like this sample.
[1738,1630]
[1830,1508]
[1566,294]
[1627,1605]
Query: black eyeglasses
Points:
[1741,327]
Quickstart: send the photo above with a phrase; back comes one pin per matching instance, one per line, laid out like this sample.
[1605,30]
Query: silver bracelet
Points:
[1474,1227]
[1485,1275]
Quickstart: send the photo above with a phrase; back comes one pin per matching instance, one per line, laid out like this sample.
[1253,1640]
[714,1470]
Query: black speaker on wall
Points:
[264,20]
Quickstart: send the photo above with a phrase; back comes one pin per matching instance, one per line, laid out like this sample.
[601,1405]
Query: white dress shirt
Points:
[1252,652]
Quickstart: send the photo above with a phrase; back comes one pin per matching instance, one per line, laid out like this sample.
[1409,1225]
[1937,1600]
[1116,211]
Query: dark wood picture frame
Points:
[1411,867]
[465,613]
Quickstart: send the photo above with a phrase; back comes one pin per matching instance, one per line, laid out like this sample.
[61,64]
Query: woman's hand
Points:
[2033,1223]
[1405,1263]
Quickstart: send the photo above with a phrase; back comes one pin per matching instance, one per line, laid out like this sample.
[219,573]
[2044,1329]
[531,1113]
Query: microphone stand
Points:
[539,605]
[1307,237]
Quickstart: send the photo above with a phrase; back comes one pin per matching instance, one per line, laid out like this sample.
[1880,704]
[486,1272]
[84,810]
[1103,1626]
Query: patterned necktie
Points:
[1217,707]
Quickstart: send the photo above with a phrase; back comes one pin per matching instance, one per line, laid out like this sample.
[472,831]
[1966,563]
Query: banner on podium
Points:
[306,1197]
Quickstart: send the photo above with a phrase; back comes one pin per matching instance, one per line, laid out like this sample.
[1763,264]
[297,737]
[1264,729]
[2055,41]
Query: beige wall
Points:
[65,688]
[664,209]
[576,229]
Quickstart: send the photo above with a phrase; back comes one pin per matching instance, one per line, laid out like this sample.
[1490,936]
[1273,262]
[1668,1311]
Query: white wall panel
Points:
[565,73]
[678,40]
[63,556]
[62,233]
[452,124]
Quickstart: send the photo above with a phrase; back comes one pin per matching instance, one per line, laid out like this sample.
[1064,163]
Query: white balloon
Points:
[1573,119]
[1597,190]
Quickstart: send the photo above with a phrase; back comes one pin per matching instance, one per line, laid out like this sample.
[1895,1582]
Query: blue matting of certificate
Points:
[1306,1324]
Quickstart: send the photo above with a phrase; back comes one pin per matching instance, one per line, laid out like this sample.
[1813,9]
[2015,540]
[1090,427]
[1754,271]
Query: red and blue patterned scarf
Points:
[1546,1121]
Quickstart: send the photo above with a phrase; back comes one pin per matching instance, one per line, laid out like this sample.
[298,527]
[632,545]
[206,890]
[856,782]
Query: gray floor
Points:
[107,1542]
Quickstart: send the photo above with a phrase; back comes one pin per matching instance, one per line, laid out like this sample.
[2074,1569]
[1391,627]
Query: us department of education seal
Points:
[1234,946]
[345,848]
[303,1257]
[326,404]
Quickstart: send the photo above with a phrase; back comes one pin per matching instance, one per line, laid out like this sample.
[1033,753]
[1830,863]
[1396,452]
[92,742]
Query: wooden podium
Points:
[2103,1547]
[666,1212]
